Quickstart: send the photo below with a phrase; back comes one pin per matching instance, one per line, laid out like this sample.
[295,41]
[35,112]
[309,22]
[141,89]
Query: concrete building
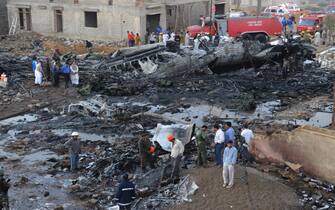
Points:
[106,19]
[3,18]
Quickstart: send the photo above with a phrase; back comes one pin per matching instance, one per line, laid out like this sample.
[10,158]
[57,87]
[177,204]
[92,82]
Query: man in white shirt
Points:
[176,155]
[219,144]
[248,135]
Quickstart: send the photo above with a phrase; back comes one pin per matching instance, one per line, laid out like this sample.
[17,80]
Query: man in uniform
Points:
[201,140]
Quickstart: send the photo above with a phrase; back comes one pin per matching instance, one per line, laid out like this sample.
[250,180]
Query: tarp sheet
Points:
[180,131]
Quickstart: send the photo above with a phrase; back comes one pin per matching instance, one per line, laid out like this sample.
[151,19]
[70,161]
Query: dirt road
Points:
[253,190]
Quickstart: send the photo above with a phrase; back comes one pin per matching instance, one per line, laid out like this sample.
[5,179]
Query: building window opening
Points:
[91,19]
[25,19]
[59,21]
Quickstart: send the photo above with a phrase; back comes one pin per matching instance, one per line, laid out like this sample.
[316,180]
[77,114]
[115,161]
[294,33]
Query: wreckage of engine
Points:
[159,61]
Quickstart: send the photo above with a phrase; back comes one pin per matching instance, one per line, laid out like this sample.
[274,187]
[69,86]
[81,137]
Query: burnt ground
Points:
[33,155]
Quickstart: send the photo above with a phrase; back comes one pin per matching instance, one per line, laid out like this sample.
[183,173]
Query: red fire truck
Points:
[310,23]
[252,28]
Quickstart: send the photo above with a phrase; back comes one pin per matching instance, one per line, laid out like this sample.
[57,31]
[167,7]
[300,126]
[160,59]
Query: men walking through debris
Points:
[4,187]
[219,140]
[126,193]
[176,156]
[74,150]
[146,151]
[201,141]
[229,160]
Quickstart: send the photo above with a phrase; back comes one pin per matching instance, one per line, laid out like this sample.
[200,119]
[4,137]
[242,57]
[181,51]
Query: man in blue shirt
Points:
[229,133]
[34,63]
[229,160]
[66,70]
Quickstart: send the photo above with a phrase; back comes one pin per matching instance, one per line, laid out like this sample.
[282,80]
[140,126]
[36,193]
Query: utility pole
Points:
[259,7]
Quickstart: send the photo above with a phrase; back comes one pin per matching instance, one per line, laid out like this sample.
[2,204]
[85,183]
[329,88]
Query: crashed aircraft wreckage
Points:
[159,61]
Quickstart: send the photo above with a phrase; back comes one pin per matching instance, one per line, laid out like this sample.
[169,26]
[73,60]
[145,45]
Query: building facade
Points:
[106,19]
[3,18]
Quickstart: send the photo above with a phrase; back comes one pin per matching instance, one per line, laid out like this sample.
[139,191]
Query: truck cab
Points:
[310,24]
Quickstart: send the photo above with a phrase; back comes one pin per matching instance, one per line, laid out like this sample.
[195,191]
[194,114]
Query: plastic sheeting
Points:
[186,188]
[180,131]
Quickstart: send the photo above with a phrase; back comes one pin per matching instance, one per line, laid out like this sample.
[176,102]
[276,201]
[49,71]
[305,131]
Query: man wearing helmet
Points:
[74,150]
[176,155]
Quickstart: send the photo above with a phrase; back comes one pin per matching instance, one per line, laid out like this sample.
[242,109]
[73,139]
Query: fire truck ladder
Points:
[12,29]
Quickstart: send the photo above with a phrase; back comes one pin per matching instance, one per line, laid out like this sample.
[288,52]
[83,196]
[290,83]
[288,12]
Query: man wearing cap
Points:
[176,155]
[74,150]
[145,151]
[4,187]
[126,193]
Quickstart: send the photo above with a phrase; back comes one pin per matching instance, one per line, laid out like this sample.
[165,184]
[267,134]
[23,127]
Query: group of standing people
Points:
[224,148]
[51,69]
[288,24]
[133,40]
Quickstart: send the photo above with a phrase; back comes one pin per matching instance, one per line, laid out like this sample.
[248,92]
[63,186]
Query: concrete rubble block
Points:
[309,147]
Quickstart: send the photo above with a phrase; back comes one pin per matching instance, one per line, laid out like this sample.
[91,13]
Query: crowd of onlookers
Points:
[50,70]
[159,36]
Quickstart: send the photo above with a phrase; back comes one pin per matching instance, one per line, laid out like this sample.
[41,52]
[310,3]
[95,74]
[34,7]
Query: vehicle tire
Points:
[262,38]
[247,37]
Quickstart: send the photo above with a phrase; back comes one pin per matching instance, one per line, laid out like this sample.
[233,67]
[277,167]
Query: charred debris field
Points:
[125,95]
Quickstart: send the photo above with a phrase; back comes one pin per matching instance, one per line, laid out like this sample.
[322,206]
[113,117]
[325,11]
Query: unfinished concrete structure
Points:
[3,18]
[310,147]
[106,19]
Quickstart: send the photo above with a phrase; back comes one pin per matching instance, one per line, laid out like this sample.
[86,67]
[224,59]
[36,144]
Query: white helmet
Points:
[75,134]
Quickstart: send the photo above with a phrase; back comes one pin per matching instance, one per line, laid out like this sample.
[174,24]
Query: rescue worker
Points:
[219,140]
[201,140]
[74,150]
[126,193]
[176,156]
[4,187]
[145,151]
[229,161]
